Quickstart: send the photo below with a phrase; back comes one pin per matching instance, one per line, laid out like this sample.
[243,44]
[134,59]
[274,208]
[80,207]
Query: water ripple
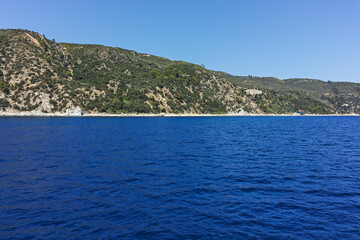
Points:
[180,178]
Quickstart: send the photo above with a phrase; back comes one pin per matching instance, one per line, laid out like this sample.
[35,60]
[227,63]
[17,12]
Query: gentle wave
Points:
[180,178]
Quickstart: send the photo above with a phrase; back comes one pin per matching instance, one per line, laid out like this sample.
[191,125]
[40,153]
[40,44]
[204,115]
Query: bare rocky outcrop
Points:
[74,111]
[254,92]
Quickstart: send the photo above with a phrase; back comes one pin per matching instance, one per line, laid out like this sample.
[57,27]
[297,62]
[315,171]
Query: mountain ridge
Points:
[38,74]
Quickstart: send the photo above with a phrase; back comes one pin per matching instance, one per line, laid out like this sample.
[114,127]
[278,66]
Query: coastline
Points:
[39,114]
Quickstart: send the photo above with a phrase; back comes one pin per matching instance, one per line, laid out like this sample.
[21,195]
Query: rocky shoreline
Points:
[80,114]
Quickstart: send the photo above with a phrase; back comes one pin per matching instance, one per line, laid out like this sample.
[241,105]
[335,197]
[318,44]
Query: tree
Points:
[4,87]
[179,97]
[154,73]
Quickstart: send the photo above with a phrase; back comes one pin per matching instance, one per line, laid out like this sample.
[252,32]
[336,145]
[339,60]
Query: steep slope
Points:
[34,70]
[37,74]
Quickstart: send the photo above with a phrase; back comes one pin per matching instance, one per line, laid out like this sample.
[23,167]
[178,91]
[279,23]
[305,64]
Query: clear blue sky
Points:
[283,38]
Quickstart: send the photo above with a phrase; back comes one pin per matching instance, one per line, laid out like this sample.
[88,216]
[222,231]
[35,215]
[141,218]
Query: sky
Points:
[282,38]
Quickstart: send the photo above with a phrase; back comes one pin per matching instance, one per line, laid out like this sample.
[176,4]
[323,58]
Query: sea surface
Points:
[180,178]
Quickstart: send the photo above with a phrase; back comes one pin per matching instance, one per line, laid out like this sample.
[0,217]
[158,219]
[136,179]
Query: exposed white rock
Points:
[74,111]
[253,92]
[45,106]
[241,112]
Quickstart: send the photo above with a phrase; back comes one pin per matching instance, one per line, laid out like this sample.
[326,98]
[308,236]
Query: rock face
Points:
[44,102]
[74,111]
[253,92]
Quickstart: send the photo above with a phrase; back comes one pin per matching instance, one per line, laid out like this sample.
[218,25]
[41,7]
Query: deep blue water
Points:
[180,178]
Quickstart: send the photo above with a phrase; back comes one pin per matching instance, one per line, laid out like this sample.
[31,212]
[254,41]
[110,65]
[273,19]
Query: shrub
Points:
[4,87]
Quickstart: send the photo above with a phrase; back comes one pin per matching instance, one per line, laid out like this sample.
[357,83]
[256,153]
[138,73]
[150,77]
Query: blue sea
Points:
[180,178]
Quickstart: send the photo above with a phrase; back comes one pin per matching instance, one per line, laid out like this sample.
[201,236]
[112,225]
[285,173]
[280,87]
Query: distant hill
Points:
[341,97]
[38,74]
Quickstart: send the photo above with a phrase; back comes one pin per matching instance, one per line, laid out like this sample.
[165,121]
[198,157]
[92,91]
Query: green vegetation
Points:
[135,76]
[4,104]
[4,87]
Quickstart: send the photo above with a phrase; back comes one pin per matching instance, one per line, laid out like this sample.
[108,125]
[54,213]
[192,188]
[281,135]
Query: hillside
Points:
[342,97]
[38,74]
